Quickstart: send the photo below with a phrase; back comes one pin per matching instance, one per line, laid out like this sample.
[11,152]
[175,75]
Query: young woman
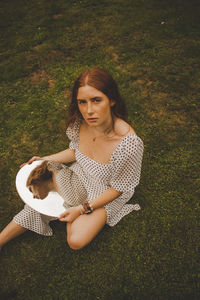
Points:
[107,156]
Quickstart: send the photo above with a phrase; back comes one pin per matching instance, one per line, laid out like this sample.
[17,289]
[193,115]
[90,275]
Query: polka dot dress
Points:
[122,173]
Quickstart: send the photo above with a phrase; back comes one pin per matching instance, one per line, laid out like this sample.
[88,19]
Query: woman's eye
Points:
[96,100]
[81,101]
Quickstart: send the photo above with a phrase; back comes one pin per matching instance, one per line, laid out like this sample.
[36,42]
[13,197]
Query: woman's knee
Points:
[75,242]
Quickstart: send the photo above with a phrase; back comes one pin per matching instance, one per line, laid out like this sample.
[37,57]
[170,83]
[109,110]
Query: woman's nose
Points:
[90,108]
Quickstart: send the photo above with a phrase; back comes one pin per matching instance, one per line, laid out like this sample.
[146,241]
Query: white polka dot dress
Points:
[122,173]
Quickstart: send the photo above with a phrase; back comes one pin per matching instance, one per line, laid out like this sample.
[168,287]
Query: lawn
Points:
[151,47]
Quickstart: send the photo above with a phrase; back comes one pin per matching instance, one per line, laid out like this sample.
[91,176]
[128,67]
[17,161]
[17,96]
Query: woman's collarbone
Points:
[98,151]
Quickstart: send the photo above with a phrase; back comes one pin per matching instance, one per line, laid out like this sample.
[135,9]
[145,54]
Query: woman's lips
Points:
[92,119]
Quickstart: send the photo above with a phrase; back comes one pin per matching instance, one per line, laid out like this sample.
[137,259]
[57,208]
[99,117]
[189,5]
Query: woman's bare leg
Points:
[84,229]
[11,231]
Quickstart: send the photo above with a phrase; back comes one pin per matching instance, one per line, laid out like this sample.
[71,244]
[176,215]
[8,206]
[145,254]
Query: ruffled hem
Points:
[34,221]
[112,220]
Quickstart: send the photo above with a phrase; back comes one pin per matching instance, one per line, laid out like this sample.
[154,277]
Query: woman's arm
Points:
[104,198]
[64,156]
[74,212]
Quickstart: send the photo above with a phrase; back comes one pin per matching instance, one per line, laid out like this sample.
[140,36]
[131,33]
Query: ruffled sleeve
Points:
[72,133]
[126,164]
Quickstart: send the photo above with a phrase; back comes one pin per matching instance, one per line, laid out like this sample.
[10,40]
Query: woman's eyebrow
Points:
[94,98]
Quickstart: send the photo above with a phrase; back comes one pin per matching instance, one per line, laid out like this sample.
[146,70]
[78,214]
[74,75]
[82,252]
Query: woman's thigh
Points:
[85,228]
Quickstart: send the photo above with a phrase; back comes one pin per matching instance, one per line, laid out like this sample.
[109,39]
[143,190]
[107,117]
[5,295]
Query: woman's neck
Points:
[105,129]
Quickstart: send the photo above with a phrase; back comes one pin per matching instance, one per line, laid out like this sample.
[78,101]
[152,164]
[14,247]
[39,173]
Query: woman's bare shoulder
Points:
[123,128]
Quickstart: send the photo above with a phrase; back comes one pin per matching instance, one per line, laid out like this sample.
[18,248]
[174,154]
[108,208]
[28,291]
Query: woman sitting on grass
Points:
[107,156]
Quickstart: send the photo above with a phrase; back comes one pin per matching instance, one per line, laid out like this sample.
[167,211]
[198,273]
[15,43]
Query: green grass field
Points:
[152,49]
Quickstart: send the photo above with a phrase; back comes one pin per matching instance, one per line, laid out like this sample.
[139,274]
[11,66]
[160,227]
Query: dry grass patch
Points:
[37,47]
[67,94]
[139,82]
[159,108]
[171,118]
[38,76]
[54,54]
[28,142]
[115,56]
[57,16]
[51,83]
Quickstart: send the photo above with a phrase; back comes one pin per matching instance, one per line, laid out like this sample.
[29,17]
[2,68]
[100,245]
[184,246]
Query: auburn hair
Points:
[39,174]
[101,80]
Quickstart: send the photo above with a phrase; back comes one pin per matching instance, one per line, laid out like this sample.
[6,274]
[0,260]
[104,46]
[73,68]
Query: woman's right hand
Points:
[31,160]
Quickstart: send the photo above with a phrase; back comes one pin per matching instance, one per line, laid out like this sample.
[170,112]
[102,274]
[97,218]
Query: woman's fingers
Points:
[63,216]
[31,160]
[70,214]
[63,219]
[22,165]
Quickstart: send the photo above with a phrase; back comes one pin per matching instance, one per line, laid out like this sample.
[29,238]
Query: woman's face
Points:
[40,191]
[94,106]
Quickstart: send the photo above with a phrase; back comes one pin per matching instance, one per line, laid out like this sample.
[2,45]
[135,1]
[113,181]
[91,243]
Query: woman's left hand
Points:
[70,214]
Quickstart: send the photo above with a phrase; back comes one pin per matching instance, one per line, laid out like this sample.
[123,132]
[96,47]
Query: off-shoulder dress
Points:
[122,173]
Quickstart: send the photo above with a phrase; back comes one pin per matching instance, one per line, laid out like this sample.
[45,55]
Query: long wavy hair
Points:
[101,80]
[39,174]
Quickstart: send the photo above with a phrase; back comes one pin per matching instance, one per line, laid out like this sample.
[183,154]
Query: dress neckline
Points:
[131,134]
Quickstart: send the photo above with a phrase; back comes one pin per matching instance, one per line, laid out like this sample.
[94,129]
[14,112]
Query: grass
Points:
[152,50]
